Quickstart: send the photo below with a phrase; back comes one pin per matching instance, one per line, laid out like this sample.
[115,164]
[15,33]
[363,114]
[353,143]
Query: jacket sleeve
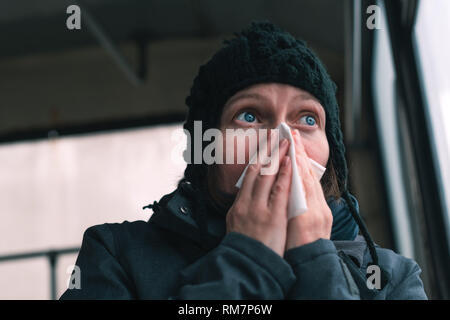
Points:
[101,275]
[411,287]
[320,272]
[238,268]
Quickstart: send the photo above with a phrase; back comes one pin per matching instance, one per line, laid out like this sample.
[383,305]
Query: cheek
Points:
[229,173]
[317,149]
[228,176]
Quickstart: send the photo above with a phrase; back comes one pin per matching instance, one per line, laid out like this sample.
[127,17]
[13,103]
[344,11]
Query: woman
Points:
[211,240]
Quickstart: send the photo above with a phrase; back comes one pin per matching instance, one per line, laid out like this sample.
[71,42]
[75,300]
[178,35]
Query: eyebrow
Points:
[246,96]
[315,105]
[306,97]
[311,101]
[258,96]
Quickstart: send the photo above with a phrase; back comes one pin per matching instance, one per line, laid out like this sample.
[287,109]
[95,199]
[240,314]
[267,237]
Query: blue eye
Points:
[309,120]
[246,116]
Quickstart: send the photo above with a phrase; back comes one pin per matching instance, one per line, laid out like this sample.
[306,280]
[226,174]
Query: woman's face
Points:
[266,106]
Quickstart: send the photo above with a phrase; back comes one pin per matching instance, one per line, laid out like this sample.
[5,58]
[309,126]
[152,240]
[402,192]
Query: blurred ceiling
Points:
[29,27]
[52,78]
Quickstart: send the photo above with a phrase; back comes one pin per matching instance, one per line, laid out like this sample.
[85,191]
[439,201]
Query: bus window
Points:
[432,50]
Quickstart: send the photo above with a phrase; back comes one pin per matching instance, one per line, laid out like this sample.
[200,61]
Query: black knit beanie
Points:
[264,53]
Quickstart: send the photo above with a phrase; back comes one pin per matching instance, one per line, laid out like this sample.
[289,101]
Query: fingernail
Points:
[284,142]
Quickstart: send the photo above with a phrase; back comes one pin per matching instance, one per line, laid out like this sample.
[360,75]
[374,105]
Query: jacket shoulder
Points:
[102,271]
[141,259]
[402,275]
[125,236]
[114,234]
[396,265]
[143,240]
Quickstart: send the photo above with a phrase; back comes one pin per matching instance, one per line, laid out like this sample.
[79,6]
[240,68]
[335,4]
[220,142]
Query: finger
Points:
[264,182]
[252,171]
[266,147]
[259,159]
[245,192]
[279,195]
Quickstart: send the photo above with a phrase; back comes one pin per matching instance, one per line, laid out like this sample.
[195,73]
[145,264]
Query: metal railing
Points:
[52,256]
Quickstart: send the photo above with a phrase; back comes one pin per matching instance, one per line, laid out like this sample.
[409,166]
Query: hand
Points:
[260,208]
[316,223]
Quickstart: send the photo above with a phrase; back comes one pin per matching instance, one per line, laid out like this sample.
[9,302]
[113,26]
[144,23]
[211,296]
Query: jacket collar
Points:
[355,249]
[175,213]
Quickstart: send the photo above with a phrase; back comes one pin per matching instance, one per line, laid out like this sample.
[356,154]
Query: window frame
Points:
[428,204]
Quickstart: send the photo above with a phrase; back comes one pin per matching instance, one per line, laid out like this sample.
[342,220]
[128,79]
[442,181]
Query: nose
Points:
[275,133]
[277,125]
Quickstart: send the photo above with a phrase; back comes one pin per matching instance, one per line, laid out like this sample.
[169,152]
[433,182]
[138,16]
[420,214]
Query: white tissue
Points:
[297,201]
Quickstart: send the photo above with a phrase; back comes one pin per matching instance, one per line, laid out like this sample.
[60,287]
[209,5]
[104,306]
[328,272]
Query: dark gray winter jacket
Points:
[170,257]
